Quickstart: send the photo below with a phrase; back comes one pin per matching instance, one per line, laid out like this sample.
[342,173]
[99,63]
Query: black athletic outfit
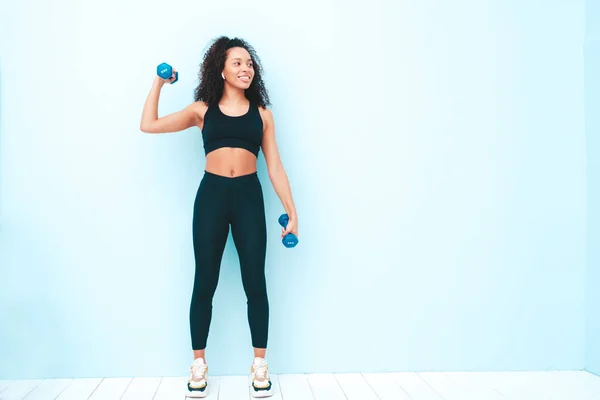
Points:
[222,202]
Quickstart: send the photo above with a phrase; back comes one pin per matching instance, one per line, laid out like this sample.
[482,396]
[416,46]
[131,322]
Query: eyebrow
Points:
[237,58]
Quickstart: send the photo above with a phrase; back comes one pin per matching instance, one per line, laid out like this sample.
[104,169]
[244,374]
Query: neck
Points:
[233,96]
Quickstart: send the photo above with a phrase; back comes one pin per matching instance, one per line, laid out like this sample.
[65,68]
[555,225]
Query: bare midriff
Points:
[230,162]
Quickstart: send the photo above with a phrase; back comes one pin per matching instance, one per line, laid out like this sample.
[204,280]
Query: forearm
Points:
[150,111]
[281,185]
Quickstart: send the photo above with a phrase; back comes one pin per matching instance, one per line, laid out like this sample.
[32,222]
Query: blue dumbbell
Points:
[290,240]
[165,71]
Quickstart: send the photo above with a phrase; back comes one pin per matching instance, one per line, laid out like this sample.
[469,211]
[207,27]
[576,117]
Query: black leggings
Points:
[221,201]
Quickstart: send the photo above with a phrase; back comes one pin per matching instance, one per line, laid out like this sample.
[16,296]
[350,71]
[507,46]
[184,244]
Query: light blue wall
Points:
[436,152]
[592,120]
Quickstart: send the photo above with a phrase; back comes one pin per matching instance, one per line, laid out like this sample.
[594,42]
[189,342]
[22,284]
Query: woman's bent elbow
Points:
[146,128]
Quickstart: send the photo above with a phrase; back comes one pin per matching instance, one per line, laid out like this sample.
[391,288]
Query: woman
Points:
[230,108]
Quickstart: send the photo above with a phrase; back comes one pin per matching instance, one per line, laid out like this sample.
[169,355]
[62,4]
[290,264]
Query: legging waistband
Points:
[210,175]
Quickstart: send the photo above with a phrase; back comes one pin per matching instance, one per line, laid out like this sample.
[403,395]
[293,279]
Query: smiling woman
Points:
[230,108]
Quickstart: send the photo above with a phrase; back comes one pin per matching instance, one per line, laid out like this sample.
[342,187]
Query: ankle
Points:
[260,353]
[200,354]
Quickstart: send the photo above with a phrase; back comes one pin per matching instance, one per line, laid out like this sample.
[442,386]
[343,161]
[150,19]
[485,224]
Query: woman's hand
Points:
[162,81]
[292,227]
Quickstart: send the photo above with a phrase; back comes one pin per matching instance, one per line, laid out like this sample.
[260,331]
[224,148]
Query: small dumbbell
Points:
[165,71]
[289,240]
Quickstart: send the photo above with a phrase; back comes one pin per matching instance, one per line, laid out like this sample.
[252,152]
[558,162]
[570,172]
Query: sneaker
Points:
[198,383]
[260,379]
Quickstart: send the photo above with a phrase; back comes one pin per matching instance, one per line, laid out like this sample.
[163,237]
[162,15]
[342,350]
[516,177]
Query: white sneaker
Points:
[198,382]
[260,380]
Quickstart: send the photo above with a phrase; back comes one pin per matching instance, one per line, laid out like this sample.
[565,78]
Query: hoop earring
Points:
[222,75]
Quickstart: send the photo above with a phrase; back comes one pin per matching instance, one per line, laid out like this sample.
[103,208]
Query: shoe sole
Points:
[262,393]
[259,393]
[196,394]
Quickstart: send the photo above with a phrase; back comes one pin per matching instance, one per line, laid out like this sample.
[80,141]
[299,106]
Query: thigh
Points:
[248,227]
[210,225]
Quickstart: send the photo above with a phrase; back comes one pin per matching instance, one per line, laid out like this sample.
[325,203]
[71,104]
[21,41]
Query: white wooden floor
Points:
[552,385]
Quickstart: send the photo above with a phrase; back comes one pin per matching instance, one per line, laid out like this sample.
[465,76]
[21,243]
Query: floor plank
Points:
[551,385]
[356,387]
[141,389]
[478,381]
[49,389]
[295,387]
[174,388]
[416,387]
[111,389]
[386,386]
[522,385]
[325,387]
[79,389]
[450,389]
[234,387]
[4,384]
[17,390]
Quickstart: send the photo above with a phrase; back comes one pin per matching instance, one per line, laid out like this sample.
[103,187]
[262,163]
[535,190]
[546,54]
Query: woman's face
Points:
[239,70]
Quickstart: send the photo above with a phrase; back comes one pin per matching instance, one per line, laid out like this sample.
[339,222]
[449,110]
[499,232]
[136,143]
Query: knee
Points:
[255,286]
[203,291]
[257,294]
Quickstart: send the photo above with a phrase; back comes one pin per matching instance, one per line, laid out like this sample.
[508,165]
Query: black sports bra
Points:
[221,130]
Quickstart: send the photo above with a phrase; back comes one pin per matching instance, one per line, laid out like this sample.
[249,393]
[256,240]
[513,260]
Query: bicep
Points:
[175,122]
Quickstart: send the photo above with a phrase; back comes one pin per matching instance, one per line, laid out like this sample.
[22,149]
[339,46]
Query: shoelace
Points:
[198,371]
[260,371]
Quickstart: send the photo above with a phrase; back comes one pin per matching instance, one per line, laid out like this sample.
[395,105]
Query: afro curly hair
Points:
[210,88]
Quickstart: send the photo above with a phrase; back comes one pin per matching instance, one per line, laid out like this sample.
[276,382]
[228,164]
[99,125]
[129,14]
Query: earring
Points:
[222,75]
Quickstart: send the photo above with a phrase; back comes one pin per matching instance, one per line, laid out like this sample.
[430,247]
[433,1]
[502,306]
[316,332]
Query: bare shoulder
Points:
[266,115]
[199,108]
